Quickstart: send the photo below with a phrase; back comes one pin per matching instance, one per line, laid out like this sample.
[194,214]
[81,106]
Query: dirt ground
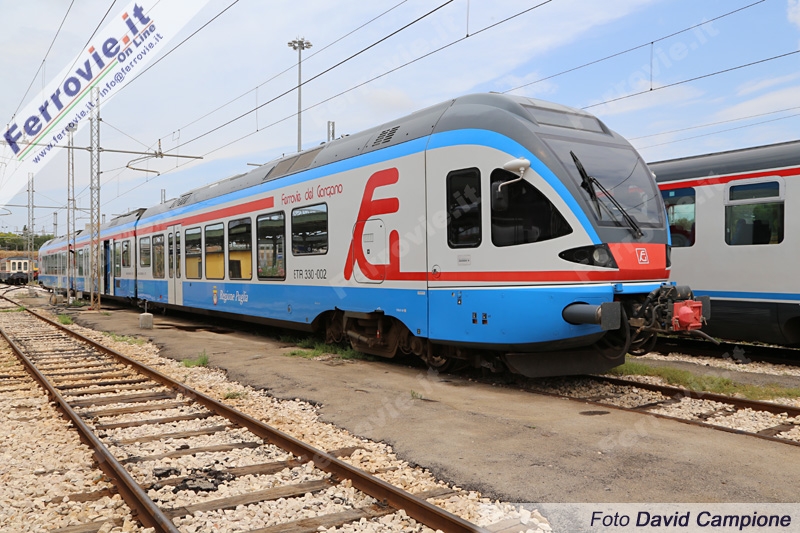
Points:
[509,444]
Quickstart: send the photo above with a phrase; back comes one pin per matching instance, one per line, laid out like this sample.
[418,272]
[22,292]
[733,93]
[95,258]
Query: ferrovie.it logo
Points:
[115,55]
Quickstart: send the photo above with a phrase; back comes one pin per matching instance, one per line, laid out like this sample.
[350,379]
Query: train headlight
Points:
[598,255]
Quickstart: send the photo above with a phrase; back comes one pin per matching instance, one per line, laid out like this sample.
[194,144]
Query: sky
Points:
[675,77]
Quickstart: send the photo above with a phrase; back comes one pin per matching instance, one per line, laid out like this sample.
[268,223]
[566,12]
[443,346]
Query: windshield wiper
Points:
[586,183]
[589,182]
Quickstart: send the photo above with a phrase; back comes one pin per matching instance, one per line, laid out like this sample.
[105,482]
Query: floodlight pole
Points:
[299,44]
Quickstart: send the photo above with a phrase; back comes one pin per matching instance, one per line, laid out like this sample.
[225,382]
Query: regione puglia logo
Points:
[641,256]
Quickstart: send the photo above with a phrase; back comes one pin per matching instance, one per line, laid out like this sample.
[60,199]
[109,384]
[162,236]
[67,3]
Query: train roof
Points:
[730,162]
[416,125]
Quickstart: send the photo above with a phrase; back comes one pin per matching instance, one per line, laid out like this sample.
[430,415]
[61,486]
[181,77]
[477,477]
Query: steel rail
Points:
[142,507]
[420,510]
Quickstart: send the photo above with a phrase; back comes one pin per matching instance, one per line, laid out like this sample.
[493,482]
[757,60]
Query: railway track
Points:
[175,454]
[738,352]
[765,420]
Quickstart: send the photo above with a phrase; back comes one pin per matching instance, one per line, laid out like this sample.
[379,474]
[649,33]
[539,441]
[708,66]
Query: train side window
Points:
[117,259]
[680,204]
[171,255]
[80,262]
[464,208]
[754,213]
[528,216]
[178,254]
[310,230]
[144,252]
[194,253]
[271,231]
[240,249]
[126,254]
[158,256]
[215,251]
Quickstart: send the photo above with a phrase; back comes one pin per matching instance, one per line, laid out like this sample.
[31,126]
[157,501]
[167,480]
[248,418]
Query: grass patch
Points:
[311,347]
[415,395]
[13,310]
[124,338]
[64,319]
[202,360]
[235,395]
[714,384]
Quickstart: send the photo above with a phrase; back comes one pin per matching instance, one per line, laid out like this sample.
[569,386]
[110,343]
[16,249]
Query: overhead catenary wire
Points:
[41,65]
[634,48]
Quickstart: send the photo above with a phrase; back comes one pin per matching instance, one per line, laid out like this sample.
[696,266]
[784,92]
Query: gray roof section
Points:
[731,162]
[493,111]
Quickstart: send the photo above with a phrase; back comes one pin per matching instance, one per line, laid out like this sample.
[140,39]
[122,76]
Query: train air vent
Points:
[385,136]
[182,200]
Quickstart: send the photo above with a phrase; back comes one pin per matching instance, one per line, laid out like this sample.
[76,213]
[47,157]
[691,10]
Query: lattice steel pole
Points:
[71,253]
[29,241]
[94,186]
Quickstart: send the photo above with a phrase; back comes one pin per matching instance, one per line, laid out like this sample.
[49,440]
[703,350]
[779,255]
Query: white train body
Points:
[464,227]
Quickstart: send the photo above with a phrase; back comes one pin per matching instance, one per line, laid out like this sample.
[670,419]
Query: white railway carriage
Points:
[16,270]
[494,229]
[734,238]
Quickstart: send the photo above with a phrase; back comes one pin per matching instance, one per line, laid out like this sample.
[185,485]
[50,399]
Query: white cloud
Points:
[793,12]
[755,86]
[767,103]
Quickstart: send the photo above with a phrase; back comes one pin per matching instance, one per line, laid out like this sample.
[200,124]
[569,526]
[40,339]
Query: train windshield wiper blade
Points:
[586,183]
[589,183]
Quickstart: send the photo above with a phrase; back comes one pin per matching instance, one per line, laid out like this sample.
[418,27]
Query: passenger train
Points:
[733,212]
[18,270]
[498,230]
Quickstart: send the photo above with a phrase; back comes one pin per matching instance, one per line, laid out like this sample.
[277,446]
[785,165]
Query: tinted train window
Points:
[215,251]
[240,249]
[754,214]
[680,204]
[528,215]
[144,252]
[117,259]
[271,246]
[126,254]
[158,256]
[194,250]
[310,230]
[464,208]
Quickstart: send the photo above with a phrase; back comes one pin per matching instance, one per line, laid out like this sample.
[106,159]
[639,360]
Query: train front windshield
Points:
[622,173]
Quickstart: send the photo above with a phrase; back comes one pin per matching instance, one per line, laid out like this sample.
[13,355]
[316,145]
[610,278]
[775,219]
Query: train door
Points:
[116,271]
[455,233]
[174,274]
[373,251]
[107,286]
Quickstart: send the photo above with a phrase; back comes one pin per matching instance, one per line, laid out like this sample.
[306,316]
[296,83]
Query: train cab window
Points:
[194,253]
[680,204]
[126,254]
[754,213]
[464,208]
[271,231]
[144,252]
[310,230]
[215,251]
[158,256]
[240,249]
[526,215]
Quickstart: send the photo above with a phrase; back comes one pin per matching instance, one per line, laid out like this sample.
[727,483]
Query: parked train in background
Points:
[501,231]
[734,213]
[18,270]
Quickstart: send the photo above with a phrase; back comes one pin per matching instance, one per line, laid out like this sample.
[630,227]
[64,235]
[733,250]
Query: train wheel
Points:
[615,344]
[440,363]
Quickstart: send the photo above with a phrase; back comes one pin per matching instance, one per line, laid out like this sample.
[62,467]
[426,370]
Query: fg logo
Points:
[641,256]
